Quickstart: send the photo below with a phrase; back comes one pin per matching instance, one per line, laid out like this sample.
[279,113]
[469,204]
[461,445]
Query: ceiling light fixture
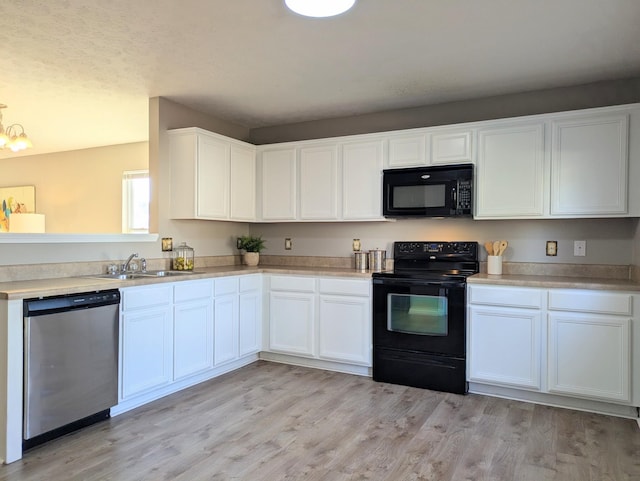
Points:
[10,138]
[319,8]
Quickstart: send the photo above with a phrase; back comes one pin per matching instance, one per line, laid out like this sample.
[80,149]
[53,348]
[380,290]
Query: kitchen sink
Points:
[165,273]
[123,276]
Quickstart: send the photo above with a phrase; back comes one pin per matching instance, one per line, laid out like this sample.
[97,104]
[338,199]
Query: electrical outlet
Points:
[287,244]
[238,243]
[552,248]
[356,245]
[580,248]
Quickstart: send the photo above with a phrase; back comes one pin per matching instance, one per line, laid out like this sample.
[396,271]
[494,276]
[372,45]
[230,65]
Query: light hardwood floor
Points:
[274,422]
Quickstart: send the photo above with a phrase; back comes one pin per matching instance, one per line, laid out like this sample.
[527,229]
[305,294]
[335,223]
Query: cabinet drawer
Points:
[250,283]
[293,284]
[189,290]
[148,296]
[591,301]
[225,285]
[506,296]
[345,287]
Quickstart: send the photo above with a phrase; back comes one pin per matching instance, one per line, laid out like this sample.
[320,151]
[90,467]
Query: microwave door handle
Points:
[454,199]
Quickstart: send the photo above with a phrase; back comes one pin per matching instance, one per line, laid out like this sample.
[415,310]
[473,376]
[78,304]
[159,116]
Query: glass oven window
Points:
[419,196]
[416,314]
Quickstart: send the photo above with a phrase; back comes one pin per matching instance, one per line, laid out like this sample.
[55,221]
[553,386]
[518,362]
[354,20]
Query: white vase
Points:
[251,258]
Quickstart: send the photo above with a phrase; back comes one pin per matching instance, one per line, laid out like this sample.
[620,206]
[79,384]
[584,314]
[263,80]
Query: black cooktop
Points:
[433,260]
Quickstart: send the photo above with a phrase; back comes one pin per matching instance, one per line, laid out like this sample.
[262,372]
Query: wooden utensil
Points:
[496,248]
[489,246]
[503,247]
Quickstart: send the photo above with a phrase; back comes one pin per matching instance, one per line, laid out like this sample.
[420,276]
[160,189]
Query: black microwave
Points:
[442,191]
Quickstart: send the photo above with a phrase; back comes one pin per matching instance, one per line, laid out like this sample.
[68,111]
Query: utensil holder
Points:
[494,265]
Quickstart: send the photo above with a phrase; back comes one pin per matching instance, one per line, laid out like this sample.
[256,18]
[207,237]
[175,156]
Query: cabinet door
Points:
[291,323]
[243,183]
[451,147]
[192,338]
[319,183]
[345,329]
[504,346]
[226,328]
[589,166]
[250,332]
[510,172]
[362,180]
[589,356]
[279,184]
[407,151]
[147,350]
[213,178]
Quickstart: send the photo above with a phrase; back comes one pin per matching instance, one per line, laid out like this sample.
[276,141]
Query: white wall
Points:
[609,241]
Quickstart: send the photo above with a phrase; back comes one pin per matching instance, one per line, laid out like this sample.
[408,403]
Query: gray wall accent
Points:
[609,241]
[597,94]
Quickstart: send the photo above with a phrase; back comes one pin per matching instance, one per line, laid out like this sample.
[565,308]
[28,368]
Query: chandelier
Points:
[319,8]
[10,138]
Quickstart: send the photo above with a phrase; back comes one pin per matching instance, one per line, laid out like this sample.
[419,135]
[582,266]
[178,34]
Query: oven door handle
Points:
[413,282]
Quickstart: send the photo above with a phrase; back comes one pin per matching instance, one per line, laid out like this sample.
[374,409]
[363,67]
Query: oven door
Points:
[419,316]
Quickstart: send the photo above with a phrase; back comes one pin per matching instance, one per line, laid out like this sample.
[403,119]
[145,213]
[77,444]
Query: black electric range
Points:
[419,315]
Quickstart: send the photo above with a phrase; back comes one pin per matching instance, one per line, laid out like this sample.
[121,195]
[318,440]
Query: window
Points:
[135,201]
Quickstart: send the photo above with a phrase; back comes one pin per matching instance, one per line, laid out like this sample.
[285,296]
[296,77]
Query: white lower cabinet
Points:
[193,328]
[323,318]
[250,315]
[226,312]
[291,323]
[590,344]
[585,345]
[177,334]
[504,346]
[146,340]
[344,321]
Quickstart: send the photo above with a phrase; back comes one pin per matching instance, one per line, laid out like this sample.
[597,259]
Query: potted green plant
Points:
[252,246]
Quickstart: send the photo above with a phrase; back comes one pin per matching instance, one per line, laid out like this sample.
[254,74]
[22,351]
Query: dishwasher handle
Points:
[85,300]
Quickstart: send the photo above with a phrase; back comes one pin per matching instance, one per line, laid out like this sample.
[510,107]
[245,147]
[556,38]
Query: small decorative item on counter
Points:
[183,258]
[377,260]
[361,261]
[252,246]
[495,249]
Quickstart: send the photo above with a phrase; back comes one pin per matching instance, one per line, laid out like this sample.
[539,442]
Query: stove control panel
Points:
[437,249]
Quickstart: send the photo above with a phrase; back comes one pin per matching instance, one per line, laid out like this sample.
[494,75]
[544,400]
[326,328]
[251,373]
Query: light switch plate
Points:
[552,248]
[580,248]
[287,244]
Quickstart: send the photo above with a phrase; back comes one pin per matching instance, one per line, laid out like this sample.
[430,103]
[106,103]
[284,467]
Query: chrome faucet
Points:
[125,266]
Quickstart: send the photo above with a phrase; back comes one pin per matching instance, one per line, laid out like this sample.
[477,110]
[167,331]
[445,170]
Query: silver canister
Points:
[361,261]
[377,260]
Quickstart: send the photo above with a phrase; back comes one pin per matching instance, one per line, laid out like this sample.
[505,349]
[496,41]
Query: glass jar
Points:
[183,257]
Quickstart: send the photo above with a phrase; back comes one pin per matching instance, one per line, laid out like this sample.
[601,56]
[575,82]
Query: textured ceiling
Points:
[78,73]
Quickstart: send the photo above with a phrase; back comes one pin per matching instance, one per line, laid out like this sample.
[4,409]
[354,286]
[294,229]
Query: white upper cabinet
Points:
[362,164]
[434,146]
[407,151]
[589,163]
[451,146]
[510,172]
[328,181]
[279,184]
[209,173]
[319,183]
[243,183]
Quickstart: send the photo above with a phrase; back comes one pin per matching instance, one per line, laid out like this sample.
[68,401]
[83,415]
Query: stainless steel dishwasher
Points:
[70,363]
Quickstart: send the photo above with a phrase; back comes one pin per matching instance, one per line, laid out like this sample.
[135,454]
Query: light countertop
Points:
[555,282]
[72,285]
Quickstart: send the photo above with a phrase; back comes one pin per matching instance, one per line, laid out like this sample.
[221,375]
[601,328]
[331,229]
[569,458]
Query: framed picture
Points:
[21,199]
